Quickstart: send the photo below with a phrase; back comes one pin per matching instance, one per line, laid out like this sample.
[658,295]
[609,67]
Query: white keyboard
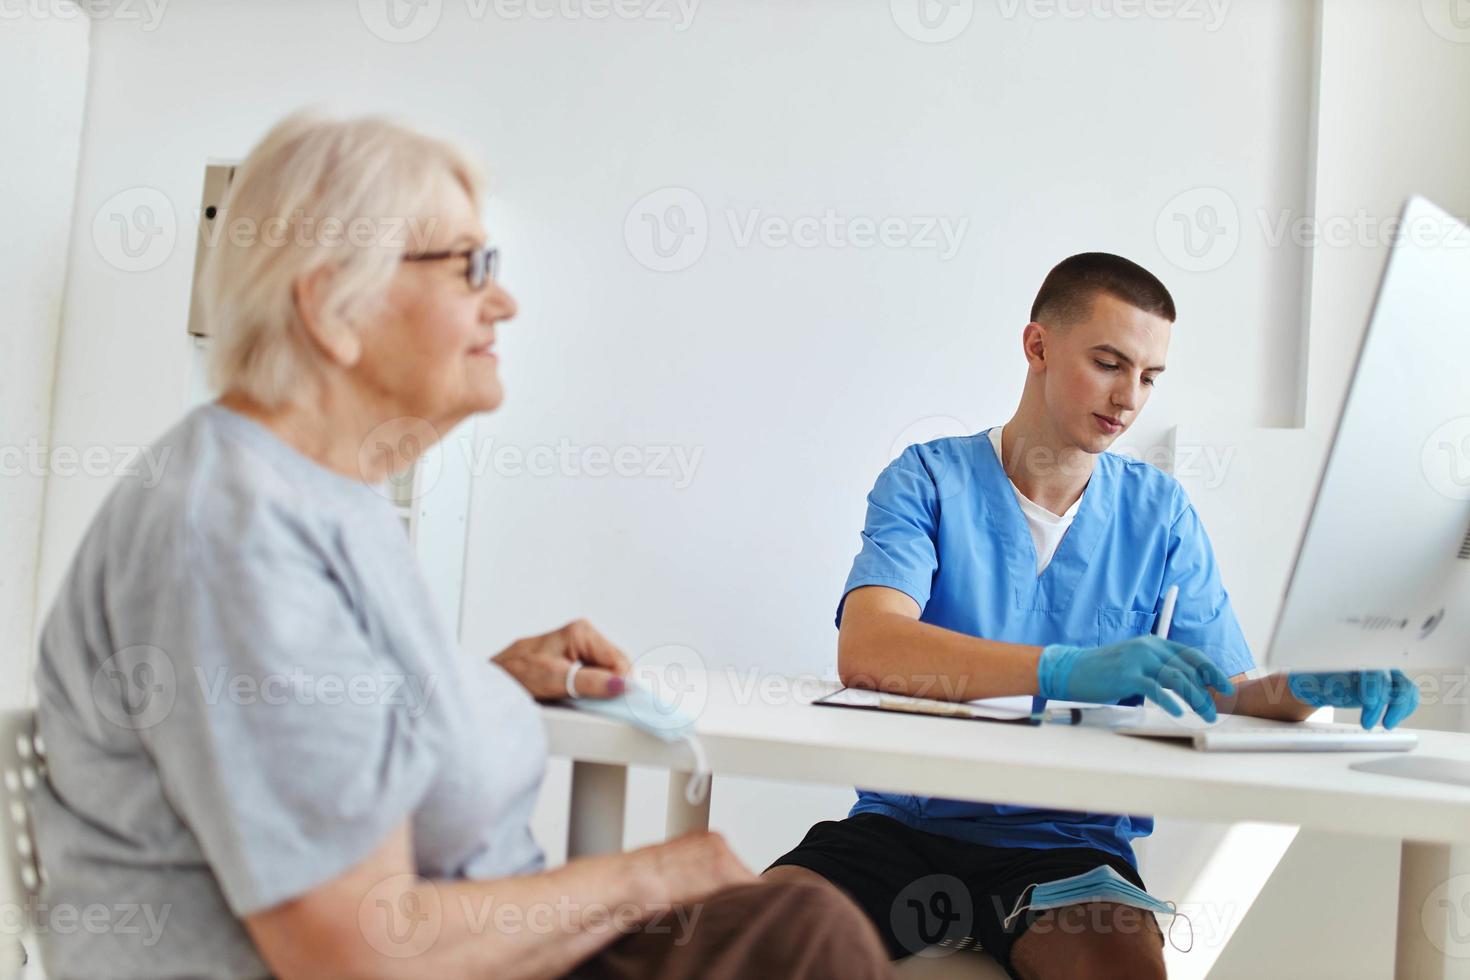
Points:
[1274,737]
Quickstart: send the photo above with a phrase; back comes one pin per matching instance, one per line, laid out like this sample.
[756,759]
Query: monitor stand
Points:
[1428,768]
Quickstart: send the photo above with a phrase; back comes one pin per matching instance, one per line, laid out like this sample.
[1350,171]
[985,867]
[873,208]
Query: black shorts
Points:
[920,889]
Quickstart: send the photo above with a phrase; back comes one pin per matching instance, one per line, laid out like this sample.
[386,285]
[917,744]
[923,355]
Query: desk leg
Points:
[595,825]
[1434,928]
[683,816]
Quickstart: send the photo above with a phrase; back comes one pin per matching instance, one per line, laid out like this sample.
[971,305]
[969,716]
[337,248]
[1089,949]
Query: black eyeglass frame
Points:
[482,265]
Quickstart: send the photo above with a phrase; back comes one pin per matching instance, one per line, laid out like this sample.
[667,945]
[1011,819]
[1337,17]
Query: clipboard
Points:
[866,700]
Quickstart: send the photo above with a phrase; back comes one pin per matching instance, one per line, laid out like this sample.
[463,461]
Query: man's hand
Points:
[541,663]
[1389,695]
[1144,666]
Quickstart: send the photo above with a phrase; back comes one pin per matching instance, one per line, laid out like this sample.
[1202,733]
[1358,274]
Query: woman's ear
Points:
[332,334]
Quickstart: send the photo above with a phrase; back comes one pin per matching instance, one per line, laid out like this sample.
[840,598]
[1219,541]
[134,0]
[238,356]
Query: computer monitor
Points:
[1382,572]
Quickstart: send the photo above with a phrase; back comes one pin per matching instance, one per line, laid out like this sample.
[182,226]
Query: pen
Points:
[1099,716]
[1166,614]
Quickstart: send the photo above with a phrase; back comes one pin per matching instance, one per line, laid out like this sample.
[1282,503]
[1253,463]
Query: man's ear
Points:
[332,334]
[1033,343]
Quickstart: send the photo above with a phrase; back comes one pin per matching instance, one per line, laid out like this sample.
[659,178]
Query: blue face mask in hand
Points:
[1101,884]
[663,718]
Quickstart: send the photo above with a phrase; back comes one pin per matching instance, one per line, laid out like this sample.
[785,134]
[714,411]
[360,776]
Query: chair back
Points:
[22,766]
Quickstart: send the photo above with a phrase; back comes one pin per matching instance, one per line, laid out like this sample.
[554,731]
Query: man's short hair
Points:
[1068,291]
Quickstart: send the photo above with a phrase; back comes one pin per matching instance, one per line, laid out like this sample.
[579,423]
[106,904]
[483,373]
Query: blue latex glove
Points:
[1380,693]
[1140,666]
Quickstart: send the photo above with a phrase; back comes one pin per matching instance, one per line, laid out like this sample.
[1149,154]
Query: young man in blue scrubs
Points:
[1029,560]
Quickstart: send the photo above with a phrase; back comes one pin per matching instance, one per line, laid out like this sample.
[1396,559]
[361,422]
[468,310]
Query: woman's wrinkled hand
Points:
[541,663]
[693,867]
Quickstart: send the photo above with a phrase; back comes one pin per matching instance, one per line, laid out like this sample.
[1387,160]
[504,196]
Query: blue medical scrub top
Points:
[944,527]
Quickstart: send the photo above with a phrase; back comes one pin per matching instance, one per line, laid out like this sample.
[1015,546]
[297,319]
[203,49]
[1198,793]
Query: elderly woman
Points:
[262,740]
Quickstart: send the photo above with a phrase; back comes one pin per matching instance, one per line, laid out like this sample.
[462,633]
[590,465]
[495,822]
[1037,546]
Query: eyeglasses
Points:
[482,265]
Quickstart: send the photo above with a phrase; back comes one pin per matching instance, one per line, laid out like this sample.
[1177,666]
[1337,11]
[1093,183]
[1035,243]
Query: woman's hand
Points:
[322,933]
[692,867]
[541,663]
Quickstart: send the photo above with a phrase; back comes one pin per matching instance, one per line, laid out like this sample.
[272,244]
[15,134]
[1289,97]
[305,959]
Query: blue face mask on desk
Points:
[662,718]
[1101,884]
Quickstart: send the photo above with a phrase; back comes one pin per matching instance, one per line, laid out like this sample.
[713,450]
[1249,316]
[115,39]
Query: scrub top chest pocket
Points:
[1117,625]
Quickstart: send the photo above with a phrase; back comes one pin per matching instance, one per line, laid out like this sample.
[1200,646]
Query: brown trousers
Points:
[798,930]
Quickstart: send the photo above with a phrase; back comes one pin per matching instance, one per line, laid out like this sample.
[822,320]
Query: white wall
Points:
[43,71]
[43,68]
[1394,121]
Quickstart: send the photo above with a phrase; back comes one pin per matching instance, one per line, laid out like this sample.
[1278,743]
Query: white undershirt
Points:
[1046,528]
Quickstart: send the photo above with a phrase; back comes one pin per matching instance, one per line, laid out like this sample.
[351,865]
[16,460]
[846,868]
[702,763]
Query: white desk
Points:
[1078,768]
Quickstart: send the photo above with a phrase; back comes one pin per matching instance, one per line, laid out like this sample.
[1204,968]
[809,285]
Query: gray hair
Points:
[352,194]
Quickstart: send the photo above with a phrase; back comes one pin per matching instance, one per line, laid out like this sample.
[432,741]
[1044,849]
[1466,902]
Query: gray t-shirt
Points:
[244,688]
